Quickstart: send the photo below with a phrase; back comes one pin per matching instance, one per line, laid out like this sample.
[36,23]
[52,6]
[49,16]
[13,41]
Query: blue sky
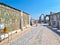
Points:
[35,7]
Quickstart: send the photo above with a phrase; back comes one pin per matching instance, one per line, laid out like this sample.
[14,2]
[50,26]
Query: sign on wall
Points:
[1,26]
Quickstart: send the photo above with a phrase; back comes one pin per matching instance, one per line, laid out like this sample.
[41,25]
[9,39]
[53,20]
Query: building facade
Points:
[32,22]
[55,20]
[13,18]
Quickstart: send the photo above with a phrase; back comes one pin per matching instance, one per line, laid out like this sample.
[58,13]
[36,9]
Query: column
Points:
[57,16]
[59,21]
[49,21]
[29,20]
[44,19]
[21,20]
[40,19]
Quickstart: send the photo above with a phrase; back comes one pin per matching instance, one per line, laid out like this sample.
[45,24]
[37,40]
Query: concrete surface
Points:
[38,36]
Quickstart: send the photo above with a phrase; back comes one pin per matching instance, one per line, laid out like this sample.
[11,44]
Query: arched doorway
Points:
[44,18]
[41,18]
[47,18]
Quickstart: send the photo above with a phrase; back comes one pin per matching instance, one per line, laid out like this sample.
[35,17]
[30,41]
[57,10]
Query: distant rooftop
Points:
[55,13]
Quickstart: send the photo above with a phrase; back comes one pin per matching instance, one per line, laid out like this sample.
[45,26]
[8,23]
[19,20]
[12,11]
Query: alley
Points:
[40,35]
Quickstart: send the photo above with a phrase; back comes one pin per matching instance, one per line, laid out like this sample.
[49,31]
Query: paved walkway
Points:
[40,35]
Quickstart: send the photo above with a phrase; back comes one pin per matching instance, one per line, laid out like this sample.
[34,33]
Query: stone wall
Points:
[12,18]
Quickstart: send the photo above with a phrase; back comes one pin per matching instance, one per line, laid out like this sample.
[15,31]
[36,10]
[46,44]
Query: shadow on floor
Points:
[53,29]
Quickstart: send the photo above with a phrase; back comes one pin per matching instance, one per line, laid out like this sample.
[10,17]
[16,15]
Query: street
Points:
[40,35]
[29,22]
